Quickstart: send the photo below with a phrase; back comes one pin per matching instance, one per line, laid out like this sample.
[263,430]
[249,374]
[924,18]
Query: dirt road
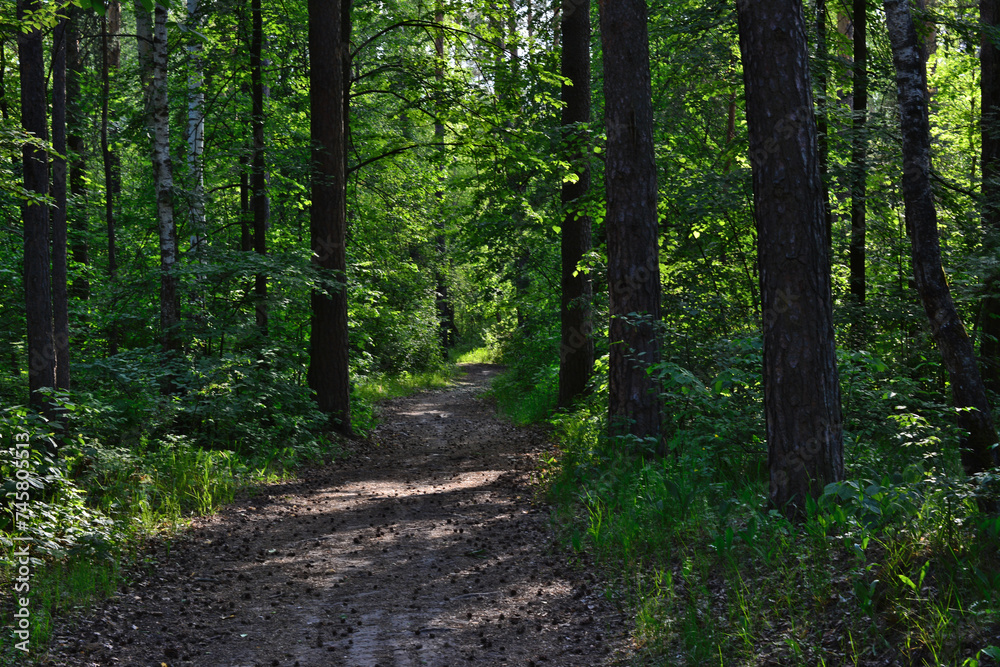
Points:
[422,548]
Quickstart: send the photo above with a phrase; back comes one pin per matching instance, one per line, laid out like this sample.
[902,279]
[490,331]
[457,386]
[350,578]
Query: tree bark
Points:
[446,315]
[196,131]
[258,183]
[60,295]
[328,374]
[801,390]
[989,58]
[108,156]
[822,115]
[859,154]
[79,244]
[4,110]
[35,216]
[576,349]
[631,222]
[968,391]
[158,120]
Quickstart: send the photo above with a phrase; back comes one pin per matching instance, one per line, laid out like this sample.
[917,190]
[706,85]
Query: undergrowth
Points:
[115,473]
[895,565]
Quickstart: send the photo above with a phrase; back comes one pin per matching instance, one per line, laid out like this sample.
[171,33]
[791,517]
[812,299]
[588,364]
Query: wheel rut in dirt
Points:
[424,547]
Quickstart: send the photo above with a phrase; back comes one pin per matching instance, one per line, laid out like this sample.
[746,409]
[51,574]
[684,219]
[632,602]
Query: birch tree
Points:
[968,391]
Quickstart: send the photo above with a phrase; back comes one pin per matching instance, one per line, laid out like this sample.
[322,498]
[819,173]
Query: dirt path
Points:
[423,548]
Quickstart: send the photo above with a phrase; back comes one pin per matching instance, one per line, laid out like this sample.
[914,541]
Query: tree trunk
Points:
[258,184]
[4,110]
[576,349]
[989,58]
[859,167]
[822,115]
[158,120]
[109,159]
[196,131]
[60,295]
[78,162]
[801,390]
[35,215]
[968,391]
[328,361]
[446,314]
[631,222]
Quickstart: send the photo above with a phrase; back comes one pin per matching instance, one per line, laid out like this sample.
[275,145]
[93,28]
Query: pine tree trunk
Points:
[822,113]
[4,110]
[801,390]
[258,183]
[576,349]
[446,316]
[859,166]
[60,295]
[80,246]
[109,159]
[328,360]
[631,222]
[35,215]
[989,58]
[968,391]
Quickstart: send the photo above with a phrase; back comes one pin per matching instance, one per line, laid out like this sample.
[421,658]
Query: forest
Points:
[738,262]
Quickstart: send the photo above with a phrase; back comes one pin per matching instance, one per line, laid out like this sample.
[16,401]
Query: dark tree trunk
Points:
[576,349]
[4,110]
[109,162]
[822,111]
[78,162]
[60,295]
[859,166]
[801,391]
[631,221]
[446,315]
[989,58]
[328,367]
[261,205]
[956,348]
[246,215]
[35,215]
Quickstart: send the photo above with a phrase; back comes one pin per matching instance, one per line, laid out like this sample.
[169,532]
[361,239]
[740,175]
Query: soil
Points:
[426,546]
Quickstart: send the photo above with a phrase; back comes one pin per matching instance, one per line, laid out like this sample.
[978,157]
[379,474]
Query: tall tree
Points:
[446,314]
[34,212]
[195,134]
[859,154]
[822,113]
[60,295]
[153,64]
[576,349]
[328,362]
[968,390]
[258,181]
[631,220]
[4,110]
[110,161]
[801,391]
[989,58]
[75,144]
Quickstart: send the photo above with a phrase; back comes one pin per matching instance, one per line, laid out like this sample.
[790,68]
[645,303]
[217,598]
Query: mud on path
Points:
[422,548]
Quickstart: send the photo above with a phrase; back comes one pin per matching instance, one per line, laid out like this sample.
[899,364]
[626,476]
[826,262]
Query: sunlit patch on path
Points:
[425,548]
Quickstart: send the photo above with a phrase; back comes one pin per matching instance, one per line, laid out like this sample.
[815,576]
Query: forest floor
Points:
[427,545]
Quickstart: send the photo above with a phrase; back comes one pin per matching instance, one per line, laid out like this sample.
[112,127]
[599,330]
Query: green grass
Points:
[382,387]
[110,500]
[904,567]
[478,355]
